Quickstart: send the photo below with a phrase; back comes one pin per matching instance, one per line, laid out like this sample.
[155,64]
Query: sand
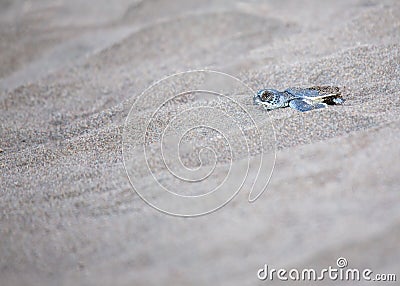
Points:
[69,74]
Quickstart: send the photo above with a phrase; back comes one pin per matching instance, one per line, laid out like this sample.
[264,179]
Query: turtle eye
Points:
[266,96]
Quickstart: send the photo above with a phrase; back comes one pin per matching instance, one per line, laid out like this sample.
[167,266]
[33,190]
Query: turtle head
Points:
[269,98]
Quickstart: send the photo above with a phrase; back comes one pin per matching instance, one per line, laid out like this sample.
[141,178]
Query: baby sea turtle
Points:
[301,99]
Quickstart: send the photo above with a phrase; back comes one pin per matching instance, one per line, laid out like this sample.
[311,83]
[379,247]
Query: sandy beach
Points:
[70,72]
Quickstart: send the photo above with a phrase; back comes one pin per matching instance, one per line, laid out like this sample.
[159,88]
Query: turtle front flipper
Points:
[302,105]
